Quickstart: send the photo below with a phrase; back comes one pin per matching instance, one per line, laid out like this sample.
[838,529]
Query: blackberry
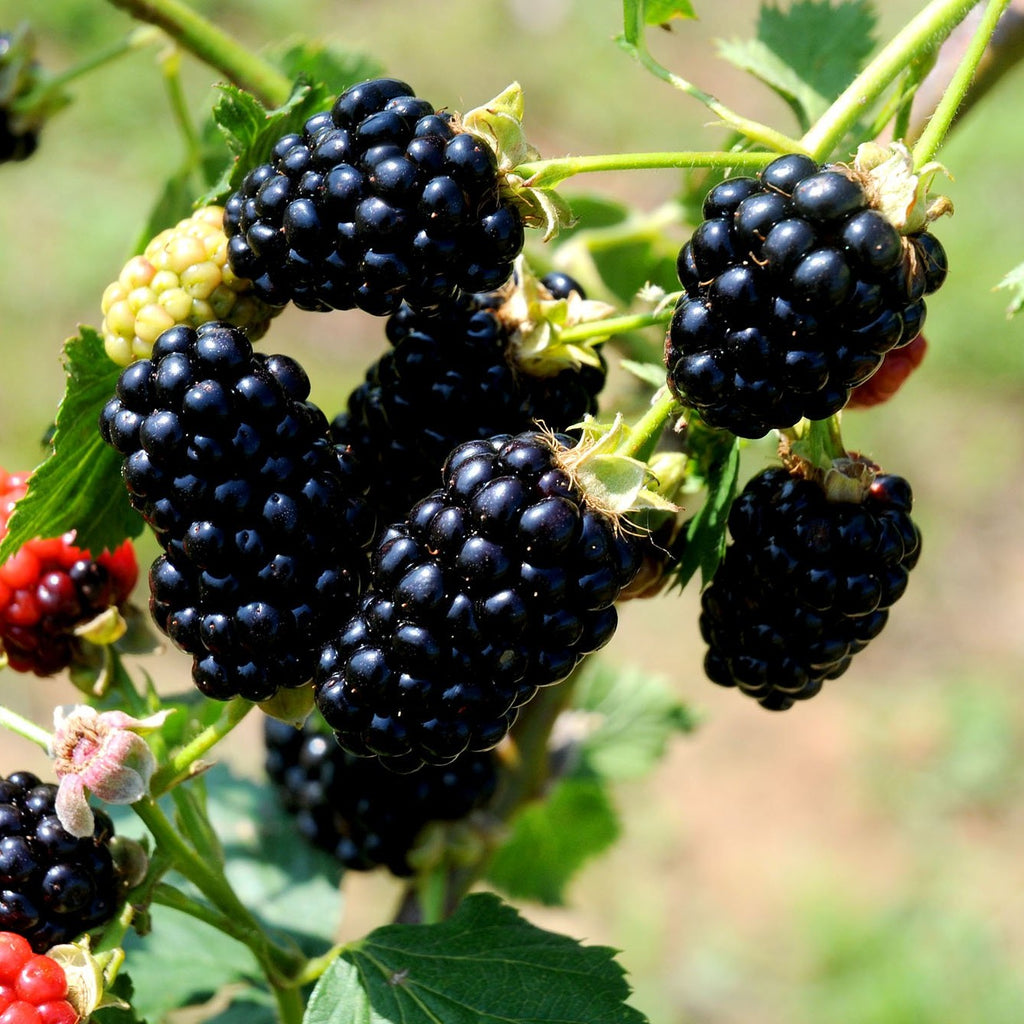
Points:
[495,584]
[49,588]
[53,887]
[378,200]
[358,810]
[182,277]
[33,987]
[19,130]
[805,584]
[262,526]
[796,288]
[453,376]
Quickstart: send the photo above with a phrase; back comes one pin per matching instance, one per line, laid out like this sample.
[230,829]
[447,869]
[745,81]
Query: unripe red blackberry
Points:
[495,584]
[33,987]
[181,277]
[806,583]
[379,200]
[455,375]
[53,887]
[50,588]
[797,285]
[358,810]
[261,521]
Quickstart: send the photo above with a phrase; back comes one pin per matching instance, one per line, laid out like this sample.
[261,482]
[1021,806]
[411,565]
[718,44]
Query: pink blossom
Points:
[100,753]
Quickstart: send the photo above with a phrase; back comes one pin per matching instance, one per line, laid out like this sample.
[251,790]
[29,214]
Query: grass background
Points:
[854,861]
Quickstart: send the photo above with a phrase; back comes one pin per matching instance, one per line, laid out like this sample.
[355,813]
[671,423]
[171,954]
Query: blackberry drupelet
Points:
[262,523]
[49,588]
[53,886]
[378,200]
[452,376]
[361,812]
[495,584]
[805,584]
[796,287]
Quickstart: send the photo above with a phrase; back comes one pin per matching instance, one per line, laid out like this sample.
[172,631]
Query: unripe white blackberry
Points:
[182,277]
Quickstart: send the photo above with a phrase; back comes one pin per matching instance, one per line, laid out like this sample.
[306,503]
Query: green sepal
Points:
[499,125]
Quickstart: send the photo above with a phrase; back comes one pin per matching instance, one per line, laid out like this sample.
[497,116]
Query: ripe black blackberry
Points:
[805,584]
[19,131]
[796,287]
[53,886]
[357,809]
[378,200]
[452,376]
[263,527]
[495,584]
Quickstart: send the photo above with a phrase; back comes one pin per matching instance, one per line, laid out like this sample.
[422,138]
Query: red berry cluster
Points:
[33,987]
[49,587]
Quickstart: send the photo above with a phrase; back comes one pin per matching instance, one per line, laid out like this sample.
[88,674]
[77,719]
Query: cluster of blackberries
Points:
[53,886]
[497,583]
[795,290]
[806,583]
[358,810]
[378,200]
[263,531]
[452,376]
[49,588]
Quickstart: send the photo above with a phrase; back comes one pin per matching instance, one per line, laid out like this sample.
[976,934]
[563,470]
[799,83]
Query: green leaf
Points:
[122,988]
[629,716]
[321,62]
[79,485]
[660,12]
[183,962]
[288,883]
[484,965]
[807,54]
[705,532]
[553,838]
[1013,282]
[649,373]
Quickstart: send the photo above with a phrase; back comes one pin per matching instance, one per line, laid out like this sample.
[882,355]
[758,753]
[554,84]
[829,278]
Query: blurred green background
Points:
[854,861]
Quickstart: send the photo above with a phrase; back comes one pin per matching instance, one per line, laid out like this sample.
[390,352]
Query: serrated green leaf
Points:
[630,717]
[661,12]
[1013,283]
[809,53]
[553,838]
[484,965]
[705,532]
[321,62]
[78,487]
[122,988]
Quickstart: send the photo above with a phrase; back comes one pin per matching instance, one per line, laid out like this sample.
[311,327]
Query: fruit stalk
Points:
[214,46]
[549,173]
[924,32]
[942,119]
[23,727]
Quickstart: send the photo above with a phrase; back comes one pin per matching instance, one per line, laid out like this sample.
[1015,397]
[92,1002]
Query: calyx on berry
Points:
[898,191]
[536,320]
[499,125]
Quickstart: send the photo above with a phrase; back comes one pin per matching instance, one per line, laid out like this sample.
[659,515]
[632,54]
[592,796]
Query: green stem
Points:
[279,965]
[23,727]
[941,120]
[762,134]
[54,84]
[181,764]
[214,46]
[617,324]
[643,436]
[924,32]
[171,67]
[549,173]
